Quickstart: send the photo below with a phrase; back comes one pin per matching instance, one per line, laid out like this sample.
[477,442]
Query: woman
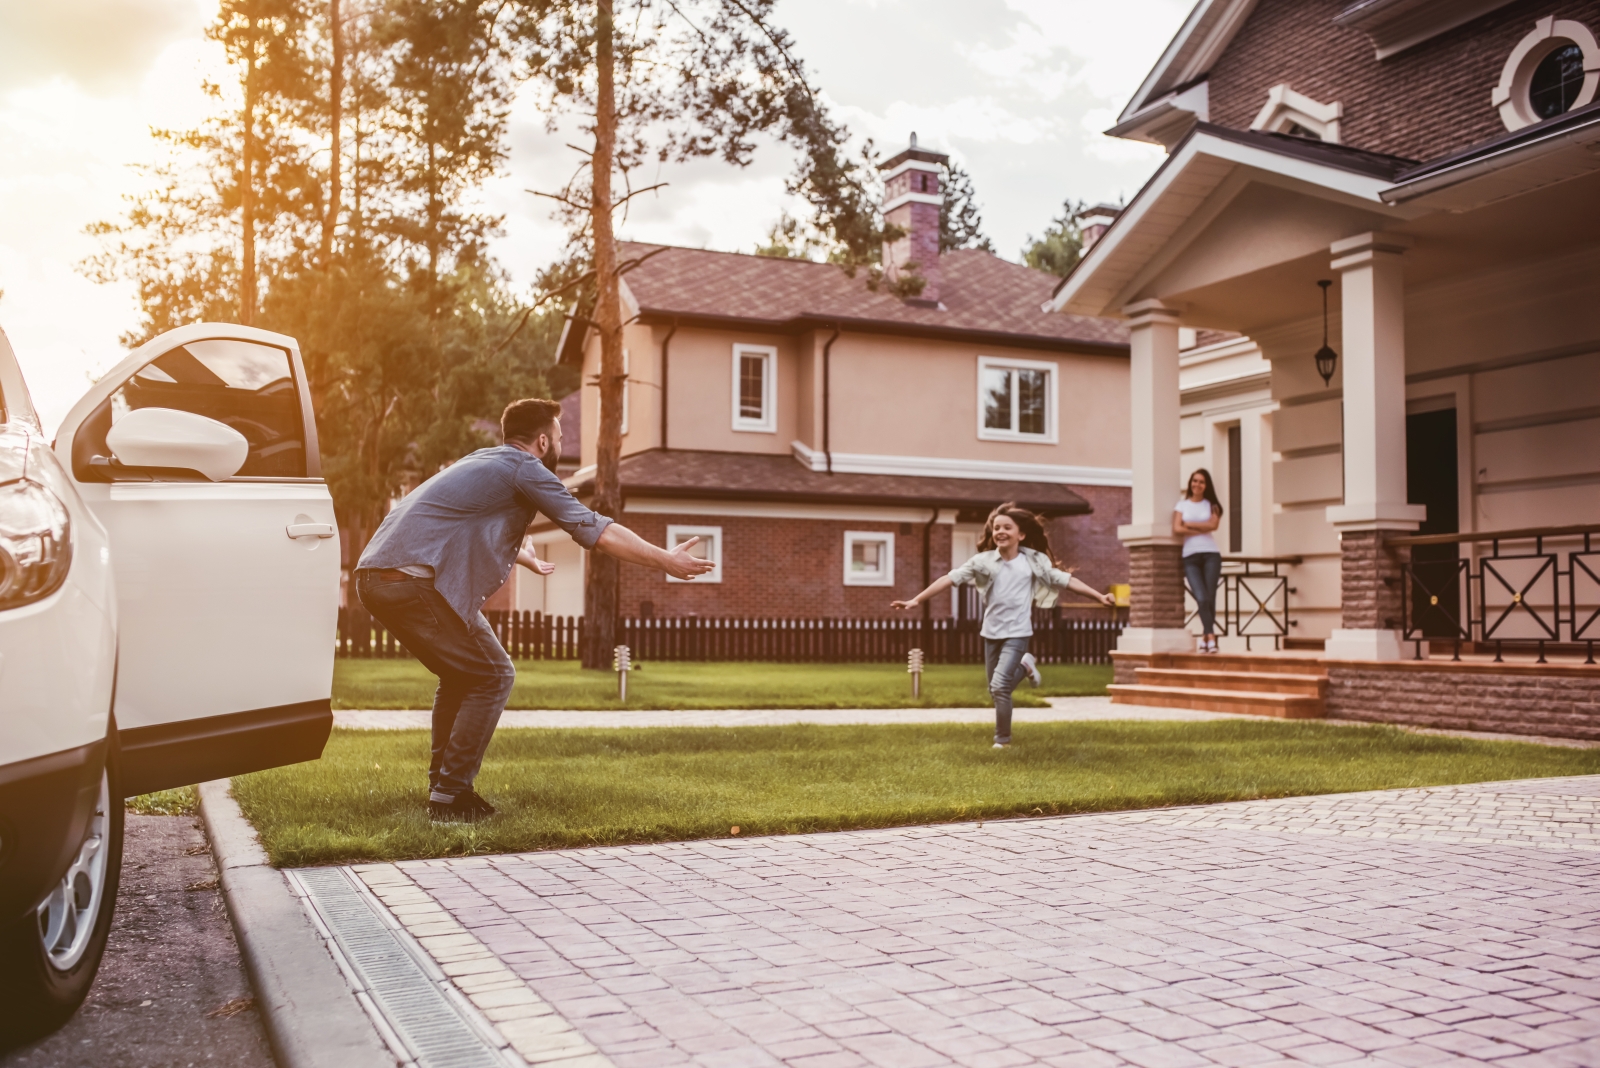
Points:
[1014,573]
[1196,515]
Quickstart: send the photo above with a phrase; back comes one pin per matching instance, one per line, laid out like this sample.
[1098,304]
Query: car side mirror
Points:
[166,437]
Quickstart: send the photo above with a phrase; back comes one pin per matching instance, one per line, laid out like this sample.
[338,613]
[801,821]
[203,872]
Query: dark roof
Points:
[922,154]
[1344,157]
[984,298]
[1577,118]
[775,477]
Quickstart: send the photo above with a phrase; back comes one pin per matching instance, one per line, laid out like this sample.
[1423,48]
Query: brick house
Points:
[835,445]
[1435,476]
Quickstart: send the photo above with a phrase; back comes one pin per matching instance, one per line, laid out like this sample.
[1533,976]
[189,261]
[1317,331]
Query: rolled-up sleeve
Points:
[965,575]
[547,495]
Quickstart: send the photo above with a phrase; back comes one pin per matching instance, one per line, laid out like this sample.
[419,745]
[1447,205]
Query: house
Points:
[835,445]
[1432,445]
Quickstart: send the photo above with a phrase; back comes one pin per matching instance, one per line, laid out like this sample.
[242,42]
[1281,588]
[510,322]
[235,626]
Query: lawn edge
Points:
[312,1017]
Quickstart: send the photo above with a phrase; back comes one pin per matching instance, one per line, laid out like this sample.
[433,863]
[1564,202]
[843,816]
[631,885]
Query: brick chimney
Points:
[912,197]
[1094,222]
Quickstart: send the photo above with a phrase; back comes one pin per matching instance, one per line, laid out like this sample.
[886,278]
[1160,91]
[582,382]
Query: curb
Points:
[312,1017]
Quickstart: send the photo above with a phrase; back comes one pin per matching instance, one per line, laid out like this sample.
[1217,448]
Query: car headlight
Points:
[35,543]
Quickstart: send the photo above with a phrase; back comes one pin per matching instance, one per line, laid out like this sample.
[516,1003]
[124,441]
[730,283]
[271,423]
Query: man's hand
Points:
[682,565]
[529,560]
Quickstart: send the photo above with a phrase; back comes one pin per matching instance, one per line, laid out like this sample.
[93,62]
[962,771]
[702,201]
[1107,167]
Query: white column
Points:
[1372,290]
[1157,616]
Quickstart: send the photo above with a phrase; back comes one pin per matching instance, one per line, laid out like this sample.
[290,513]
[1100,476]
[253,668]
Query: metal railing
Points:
[1252,599]
[1516,598]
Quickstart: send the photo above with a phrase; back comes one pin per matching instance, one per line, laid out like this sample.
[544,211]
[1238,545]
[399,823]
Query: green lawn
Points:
[563,684]
[364,800]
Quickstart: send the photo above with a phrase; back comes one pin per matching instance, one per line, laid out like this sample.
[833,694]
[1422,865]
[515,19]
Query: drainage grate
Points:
[434,1030]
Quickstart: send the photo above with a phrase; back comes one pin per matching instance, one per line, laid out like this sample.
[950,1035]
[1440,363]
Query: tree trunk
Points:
[600,594]
[335,120]
[247,186]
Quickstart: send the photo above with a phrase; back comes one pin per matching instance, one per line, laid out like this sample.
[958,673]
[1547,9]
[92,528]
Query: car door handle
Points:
[309,530]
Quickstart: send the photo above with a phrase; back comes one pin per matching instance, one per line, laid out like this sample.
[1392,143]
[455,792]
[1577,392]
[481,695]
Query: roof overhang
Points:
[1208,30]
[1395,25]
[1172,209]
[1168,119]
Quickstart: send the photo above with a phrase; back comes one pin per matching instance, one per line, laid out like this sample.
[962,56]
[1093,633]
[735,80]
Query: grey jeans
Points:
[475,674]
[1002,657]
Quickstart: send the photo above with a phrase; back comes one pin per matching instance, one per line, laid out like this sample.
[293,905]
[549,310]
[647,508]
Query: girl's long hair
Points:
[1032,527]
[1211,488]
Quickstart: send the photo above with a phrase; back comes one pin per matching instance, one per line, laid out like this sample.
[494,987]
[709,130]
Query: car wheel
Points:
[48,960]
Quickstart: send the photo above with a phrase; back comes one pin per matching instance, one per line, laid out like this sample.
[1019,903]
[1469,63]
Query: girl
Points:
[1014,572]
[1196,515]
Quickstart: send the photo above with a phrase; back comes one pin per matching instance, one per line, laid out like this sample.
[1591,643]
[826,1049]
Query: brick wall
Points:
[1426,102]
[1156,572]
[1557,704]
[1089,543]
[1370,582]
[783,568]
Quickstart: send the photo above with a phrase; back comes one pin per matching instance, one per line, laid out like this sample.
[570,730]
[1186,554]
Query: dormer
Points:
[1289,112]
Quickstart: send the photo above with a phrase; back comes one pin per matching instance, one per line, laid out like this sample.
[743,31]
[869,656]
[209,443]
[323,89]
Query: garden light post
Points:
[622,662]
[914,667]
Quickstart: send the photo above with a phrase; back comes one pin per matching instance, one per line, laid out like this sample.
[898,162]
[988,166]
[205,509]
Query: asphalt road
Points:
[171,991]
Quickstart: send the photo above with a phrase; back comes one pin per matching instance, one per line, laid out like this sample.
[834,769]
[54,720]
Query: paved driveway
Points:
[1410,927]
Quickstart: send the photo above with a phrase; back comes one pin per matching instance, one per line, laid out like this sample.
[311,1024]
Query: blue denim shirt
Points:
[467,523]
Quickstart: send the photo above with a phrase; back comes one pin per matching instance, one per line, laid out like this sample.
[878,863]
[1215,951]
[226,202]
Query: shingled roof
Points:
[983,297]
[690,473]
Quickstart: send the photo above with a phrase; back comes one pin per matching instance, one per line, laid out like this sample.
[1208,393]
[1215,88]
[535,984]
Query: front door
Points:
[1431,479]
[227,590]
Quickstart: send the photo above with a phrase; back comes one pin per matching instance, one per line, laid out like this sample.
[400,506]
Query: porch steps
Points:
[1285,687]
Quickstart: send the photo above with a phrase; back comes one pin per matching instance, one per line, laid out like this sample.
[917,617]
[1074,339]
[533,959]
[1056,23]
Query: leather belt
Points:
[387,574]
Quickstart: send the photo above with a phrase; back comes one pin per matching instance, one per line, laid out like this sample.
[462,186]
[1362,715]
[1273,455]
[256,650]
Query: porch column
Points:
[1372,288]
[1155,614]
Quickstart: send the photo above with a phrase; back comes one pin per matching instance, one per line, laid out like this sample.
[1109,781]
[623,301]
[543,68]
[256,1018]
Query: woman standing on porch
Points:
[1196,515]
[1014,572]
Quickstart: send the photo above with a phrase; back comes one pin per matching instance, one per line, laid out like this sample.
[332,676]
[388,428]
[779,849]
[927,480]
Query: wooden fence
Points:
[1057,639]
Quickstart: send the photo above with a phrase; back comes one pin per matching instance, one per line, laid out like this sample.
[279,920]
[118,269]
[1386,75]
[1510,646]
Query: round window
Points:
[1556,82]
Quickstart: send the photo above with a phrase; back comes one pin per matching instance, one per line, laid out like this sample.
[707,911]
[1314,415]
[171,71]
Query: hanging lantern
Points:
[1327,359]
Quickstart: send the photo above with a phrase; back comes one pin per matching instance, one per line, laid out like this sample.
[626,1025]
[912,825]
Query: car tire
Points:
[48,960]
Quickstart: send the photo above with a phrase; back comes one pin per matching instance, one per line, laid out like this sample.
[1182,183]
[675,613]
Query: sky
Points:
[1016,91]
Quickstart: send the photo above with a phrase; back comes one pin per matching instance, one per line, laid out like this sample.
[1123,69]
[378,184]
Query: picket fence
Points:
[1057,639]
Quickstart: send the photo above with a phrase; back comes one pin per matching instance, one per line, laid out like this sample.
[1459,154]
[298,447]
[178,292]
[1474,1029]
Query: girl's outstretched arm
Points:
[1084,588]
[939,585]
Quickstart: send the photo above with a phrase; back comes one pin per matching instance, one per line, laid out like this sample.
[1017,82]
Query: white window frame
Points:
[1510,95]
[768,423]
[1052,400]
[715,556]
[854,537]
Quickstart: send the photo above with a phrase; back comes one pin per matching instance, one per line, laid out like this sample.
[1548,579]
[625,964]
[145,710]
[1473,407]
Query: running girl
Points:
[1014,572]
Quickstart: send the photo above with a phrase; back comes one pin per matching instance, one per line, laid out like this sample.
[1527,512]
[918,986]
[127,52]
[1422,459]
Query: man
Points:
[446,547]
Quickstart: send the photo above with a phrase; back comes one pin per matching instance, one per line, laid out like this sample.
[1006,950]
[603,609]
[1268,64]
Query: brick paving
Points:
[1425,927]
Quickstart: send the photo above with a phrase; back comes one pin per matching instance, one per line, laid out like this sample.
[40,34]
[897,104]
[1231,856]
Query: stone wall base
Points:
[1557,704]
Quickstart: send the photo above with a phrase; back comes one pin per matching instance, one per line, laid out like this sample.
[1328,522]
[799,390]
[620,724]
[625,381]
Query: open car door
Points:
[199,454]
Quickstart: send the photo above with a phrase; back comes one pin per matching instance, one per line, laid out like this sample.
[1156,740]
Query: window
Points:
[1551,71]
[755,388]
[1016,400]
[709,547]
[247,386]
[1298,115]
[868,558]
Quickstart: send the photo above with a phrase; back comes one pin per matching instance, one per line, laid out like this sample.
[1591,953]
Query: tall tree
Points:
[960,219]
[666,81]
[1059,250]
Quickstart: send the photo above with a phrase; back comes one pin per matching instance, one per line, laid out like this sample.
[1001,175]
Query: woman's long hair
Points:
[1211,489]
[1032,527]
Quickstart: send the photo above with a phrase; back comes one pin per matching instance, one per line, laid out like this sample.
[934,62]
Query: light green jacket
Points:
[1048,580]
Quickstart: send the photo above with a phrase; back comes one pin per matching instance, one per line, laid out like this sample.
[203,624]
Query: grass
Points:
[183,801]
[364,800]
[563,684]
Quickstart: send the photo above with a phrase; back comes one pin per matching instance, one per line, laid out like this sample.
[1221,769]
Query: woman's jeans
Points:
[1203,570]
[1002,657]
[475,674]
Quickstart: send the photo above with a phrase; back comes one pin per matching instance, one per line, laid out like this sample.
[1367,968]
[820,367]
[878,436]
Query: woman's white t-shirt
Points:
[1196,512]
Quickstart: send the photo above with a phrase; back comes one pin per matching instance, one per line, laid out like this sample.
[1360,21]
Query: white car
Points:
[169,576]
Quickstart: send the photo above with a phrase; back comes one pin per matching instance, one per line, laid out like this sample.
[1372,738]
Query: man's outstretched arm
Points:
[618,541]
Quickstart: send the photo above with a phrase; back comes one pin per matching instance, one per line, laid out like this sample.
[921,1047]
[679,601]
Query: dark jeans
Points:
[475,674]
[1203,570]
[1002,659]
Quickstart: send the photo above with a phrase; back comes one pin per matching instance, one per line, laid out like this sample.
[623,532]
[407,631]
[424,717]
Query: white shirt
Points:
[1196,512]
[1008,611]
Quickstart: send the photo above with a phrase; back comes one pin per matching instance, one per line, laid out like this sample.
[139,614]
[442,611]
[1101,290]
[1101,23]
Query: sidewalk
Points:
[1061,709]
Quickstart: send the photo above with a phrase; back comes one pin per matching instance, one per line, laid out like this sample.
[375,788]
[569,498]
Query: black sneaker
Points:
[466,807]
